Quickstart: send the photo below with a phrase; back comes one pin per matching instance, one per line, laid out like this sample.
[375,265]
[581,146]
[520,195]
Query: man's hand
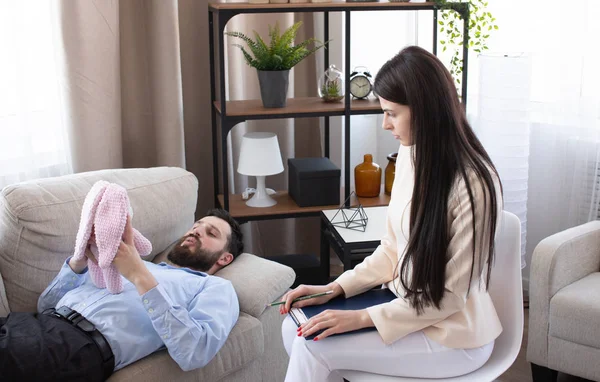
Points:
[335,321]
[78,266]
[129,263]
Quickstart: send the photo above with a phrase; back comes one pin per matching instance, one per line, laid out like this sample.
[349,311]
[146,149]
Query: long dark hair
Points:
[445,149]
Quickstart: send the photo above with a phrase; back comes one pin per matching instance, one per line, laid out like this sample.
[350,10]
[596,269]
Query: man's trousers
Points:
[38,347]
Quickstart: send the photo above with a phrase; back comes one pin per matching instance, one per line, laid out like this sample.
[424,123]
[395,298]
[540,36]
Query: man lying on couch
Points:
[83,332]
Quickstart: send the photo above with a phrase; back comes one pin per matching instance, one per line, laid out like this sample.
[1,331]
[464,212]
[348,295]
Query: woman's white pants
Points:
[412,356]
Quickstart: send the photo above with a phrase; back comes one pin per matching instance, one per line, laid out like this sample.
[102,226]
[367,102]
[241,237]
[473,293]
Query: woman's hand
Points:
[335,321]
[305,290]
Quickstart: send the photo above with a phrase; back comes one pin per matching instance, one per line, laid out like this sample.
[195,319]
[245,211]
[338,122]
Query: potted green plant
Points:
[330,91]
[273,61]
[331,85]
[481,24]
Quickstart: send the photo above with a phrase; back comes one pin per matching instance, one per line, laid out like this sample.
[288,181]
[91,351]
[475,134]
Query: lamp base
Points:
[261,197]
[265,201]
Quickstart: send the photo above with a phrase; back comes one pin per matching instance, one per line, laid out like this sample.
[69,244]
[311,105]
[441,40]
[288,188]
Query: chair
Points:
[564,305]
[506,292]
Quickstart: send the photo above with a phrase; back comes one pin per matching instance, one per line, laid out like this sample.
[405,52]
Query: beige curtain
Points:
[136,93]
[135,85]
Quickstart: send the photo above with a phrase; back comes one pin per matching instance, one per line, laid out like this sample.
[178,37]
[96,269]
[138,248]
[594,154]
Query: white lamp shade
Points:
[260,155]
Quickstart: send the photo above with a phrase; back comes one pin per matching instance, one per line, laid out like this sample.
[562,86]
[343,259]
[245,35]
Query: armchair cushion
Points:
[575,311]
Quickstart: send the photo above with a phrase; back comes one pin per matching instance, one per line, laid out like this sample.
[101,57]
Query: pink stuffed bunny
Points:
[105,210]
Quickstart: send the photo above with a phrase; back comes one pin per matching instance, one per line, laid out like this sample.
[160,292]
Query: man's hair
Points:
[235,241]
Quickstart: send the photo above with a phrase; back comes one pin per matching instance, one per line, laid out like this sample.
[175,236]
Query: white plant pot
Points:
[320,1]
[299,1]
[278,1]
[258,1]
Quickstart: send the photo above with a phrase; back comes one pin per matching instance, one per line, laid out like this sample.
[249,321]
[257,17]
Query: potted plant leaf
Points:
[274,60]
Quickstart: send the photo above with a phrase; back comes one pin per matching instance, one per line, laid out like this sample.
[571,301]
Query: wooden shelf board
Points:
[287,205]
[296,106]
[338,5]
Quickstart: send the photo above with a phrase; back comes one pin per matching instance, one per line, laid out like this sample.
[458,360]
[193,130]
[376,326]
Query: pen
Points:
[302,298]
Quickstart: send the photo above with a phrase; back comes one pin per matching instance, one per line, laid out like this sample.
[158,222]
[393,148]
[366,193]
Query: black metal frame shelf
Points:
[220,13]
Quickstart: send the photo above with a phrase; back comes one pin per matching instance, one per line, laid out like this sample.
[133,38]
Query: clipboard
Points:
[361,301]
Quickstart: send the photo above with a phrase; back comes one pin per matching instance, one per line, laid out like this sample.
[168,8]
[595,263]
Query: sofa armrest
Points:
[557,261]
[257,281]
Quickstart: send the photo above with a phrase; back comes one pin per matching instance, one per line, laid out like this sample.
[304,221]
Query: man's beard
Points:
[200,259]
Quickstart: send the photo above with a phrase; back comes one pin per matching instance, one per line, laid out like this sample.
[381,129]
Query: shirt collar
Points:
[188,270]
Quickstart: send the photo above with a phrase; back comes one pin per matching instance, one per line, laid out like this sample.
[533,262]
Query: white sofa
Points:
[38,224]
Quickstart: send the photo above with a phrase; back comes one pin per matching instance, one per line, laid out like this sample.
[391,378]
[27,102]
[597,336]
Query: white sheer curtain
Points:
[33,140]
[565,108]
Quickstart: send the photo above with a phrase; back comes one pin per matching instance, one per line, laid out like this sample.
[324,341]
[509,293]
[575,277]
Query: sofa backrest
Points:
[39,222]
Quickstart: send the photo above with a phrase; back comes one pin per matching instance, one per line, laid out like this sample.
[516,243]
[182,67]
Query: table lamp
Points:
[260,157]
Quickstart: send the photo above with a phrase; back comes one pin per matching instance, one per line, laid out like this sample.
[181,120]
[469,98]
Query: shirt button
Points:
[74,277]
[165,337]
[146,301]
[150,310]
[70,284]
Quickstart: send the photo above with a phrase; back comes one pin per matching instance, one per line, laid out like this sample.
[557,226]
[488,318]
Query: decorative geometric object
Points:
[354,218]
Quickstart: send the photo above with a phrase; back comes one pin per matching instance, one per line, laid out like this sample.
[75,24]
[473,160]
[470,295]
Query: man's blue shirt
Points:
[189,312]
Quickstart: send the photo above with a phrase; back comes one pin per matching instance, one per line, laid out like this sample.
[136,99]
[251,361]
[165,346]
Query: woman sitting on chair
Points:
[436,255]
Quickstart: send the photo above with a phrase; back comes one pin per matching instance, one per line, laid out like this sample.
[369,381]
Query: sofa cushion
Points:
[39,221]
[244,344]
[4,310]
[575,311]
[257,281]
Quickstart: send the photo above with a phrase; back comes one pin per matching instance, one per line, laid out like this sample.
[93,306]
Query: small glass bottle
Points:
[331,85]
[390,172]
[367,178]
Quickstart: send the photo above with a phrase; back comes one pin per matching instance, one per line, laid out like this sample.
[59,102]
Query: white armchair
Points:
[564,308]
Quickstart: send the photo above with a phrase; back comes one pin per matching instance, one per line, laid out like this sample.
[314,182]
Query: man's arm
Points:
[194,334]
[71,275]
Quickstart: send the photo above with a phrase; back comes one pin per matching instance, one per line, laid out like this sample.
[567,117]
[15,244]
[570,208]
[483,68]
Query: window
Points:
[33,139]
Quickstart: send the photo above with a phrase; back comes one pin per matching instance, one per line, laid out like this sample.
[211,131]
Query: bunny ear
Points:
[143,245]
[88,213]
[110,220]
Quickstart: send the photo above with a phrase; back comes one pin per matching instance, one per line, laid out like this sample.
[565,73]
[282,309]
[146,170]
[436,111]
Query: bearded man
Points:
[82,332]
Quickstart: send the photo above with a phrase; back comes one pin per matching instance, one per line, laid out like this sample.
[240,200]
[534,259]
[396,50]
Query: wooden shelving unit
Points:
[226,114]
[286,205]
[296,108]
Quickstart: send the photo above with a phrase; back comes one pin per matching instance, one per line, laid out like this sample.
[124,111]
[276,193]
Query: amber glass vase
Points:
[367,178]
[390,172]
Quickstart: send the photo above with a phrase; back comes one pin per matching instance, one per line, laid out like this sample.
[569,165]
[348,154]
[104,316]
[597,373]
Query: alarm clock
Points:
[360,83]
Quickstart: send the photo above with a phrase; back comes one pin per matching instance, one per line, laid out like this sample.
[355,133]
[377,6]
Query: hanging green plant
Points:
[481,25]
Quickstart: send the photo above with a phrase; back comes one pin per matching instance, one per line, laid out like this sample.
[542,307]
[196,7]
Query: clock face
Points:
[360,86]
